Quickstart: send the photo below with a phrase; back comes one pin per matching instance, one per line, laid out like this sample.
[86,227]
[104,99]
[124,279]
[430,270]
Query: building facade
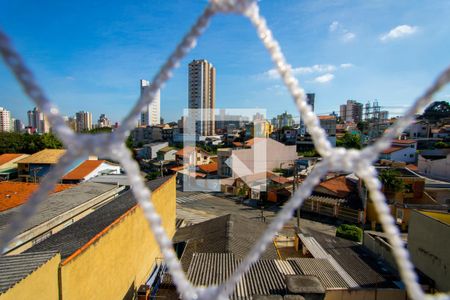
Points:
[351,112]
[202,95]
[151,115]
[37,121]
[5,120]
[83,121]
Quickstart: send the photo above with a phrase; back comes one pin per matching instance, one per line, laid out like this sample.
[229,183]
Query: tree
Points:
[391,181]
[11,142]
[349,141]
[441,145]
[437,110]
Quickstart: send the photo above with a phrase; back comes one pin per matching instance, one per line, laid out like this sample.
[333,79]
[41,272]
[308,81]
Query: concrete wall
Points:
[119,259]
[438,168]
[429,246]
[380,248]
[41,284]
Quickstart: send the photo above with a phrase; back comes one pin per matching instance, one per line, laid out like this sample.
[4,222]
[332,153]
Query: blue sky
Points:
[90,56]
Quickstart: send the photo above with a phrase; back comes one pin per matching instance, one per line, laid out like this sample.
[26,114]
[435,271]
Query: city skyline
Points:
[80,75]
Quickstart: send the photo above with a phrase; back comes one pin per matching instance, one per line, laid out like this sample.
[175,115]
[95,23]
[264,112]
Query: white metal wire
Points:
[113,146]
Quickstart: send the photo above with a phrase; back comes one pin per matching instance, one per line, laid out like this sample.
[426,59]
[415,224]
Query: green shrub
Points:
[349,232]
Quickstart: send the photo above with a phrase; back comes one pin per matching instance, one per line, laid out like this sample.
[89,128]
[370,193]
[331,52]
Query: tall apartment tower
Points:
[5,120]
[351,112]
[83,121]
[151,115]
[202,95]
[310,99]
[38,121]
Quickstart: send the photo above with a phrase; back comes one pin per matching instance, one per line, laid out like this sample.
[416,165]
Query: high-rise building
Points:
[310,99]
[202,95]
[351,112]
[18,126]
[103,121]
[83,120]
[37,121]
[151,115]
[5,120]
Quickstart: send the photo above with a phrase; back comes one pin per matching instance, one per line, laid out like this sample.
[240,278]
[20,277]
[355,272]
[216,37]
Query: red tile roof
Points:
[84,169]
[209,168]
[13,194]
[7,157]
[404,142]
[338,185]
[176,169]
[327,117]
[391,150]
[238,144]
[412,167]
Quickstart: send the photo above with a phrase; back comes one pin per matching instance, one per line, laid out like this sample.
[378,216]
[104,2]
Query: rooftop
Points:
[76,237]
[226,234]
[209,168]
[166,149]
[405,142]
[440,216]
[13,194]
[8,157]
[340,186]
[15,268]
[56,204]
[84,169]
[356,261]
[392,150]
[46,156]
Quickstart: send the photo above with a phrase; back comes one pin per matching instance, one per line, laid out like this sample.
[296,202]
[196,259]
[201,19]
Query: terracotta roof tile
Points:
[338,185]
[13,194]
[326,117]
[404,142]
[84,169]
[412,167]
[209,168]
[391,150]
[7,157]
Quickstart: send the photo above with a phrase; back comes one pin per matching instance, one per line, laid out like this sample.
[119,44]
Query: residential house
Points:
[74,261]
[259,155]
[8,165]
[89,169]
[435,166]
[167,154]
[150,151]
[55,212]
[37,165]
[411,195]
[192,156]
[418,129]
[401,150]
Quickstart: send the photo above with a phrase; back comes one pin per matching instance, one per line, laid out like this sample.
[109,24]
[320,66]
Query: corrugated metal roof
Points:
[226,234]
[263,278]
[322,269]
[354,260]
[46,156]
[15,268]
[75,236]
[56,204]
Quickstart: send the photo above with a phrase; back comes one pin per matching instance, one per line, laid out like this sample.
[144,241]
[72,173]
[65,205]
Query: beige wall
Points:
[429,247]
[121,258]
[41,284]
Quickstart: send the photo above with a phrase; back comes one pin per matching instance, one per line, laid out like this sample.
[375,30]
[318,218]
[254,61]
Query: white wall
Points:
[438,168]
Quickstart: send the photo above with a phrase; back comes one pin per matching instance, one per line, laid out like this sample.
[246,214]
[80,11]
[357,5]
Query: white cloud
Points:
[346,66]
[314,69]
[344,34]
[324,78]
[333,26]
[398,32]
[348,36]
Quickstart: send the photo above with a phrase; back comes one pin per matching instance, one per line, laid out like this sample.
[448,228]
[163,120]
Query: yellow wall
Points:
[41,284]
[121,259]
